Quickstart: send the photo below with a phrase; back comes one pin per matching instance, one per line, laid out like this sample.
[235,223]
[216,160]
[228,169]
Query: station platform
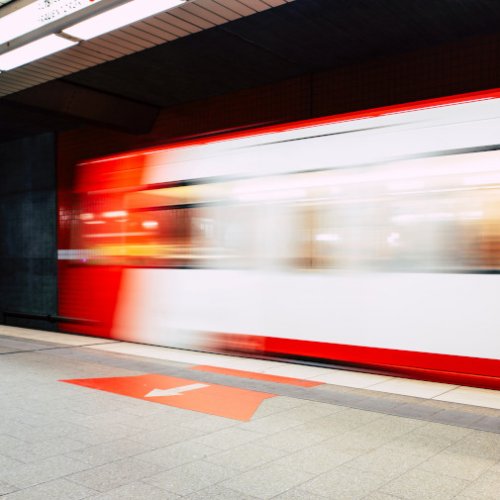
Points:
[83,417]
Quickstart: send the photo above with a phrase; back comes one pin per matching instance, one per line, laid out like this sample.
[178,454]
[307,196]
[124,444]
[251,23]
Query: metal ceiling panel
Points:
[20,121]
[195,16]
[88,105]
[302,37]
[205,64]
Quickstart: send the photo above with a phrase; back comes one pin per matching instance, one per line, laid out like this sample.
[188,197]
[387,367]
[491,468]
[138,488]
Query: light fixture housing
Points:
[36,15]
[19,23]
[42,47]
[118,17]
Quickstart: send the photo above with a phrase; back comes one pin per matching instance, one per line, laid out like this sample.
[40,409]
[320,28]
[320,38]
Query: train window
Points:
[421,215]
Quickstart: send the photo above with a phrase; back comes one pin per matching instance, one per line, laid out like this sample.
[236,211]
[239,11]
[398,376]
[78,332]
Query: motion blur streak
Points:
[370,239]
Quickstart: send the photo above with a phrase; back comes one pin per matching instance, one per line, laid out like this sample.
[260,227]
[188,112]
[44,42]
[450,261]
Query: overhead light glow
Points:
[37,14]
[19,23]
[118,17]
[32,51]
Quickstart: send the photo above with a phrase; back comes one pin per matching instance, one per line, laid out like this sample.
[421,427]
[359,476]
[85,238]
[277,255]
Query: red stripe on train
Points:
[309,122]
[462,370]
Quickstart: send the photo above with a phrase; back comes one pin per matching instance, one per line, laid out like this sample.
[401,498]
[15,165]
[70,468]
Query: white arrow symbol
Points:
[175,391]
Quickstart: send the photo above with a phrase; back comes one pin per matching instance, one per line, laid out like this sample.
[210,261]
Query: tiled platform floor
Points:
[345,441]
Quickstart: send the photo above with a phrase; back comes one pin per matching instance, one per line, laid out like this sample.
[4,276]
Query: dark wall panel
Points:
[28,246]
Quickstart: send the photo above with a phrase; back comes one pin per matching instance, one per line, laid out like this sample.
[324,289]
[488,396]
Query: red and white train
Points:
[368,239]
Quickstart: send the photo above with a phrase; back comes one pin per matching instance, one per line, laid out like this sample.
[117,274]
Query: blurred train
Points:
[369,239]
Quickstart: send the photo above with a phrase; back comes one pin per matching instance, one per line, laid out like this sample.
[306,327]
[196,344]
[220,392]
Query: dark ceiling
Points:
[299,37]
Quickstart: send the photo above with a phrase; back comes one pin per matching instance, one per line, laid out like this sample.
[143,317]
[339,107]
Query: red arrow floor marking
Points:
[214,399]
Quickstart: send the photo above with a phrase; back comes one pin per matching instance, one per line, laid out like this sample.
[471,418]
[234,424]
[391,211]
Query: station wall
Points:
[28,246]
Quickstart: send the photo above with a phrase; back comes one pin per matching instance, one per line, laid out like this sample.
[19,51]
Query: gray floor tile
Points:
[386,462]
[189,478]
[137,491]
[291,440]
[218,492]
[486,487]
[392,426]
[456,417]
[332,425]
[178,454]
[295,444]
[142,408]
[356,417]
[108,452]
[228,438]
[114,417]
[298,494]
[414,410]
[32,452]
[496,468]
[377,495]
[418,485]
[378,404]
[443,431]
[102,434]
[488,423]
[425,445]
[316,459]
[344,482]
[276,405]
[479,444]
[271,423]
[267,481]
[112,476]
[210,423]
[24,432]
[166,435]
[58,489]
[48,469]
[356,442]
[168,418]
[7,463]
[245,457]
[348,399]
[457,465]
[311,410]
[6,488]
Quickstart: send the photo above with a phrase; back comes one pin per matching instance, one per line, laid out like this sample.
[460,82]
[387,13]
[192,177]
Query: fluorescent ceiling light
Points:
[37,14]
[19,23]
[120,16]
[32,51]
